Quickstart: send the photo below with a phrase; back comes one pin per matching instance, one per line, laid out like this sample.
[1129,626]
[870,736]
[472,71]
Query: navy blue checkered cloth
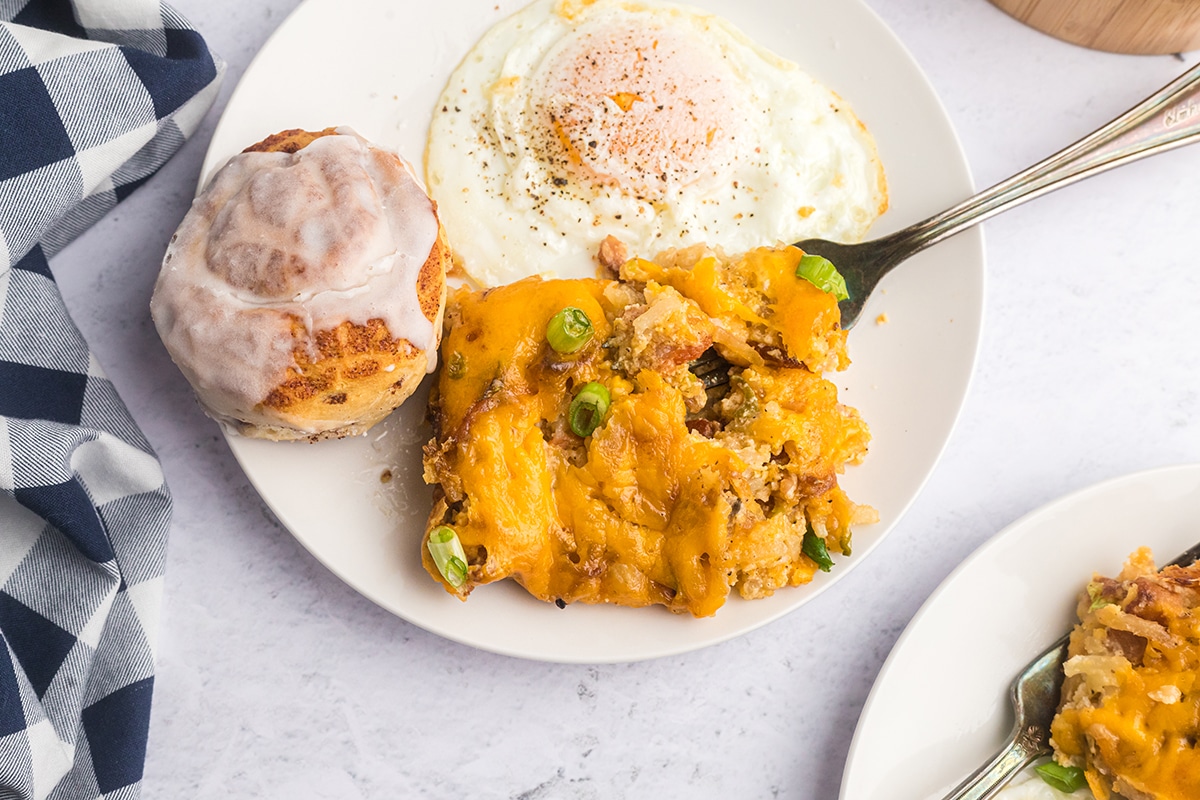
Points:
[95,95]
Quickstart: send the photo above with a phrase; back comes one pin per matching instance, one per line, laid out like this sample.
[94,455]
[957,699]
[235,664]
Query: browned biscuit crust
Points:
[288,141]
[359,372]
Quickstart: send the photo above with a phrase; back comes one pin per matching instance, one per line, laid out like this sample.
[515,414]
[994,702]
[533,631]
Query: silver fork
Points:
[1167,119]
[1034,695]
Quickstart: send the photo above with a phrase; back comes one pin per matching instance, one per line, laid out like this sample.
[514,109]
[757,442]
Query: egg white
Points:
[784,158]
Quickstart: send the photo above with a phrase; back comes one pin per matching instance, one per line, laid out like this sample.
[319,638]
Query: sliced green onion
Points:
[748,410]
[821,273]
[456,365]
[569,330]
[588,408]
[814,547]
[448,555]
[1094,591]
[1065,779]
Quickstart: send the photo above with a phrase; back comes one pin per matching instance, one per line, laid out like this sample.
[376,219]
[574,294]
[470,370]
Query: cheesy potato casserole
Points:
[613,469]
[1130,714]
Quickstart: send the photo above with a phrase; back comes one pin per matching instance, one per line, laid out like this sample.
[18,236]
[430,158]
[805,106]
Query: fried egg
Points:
[660,125]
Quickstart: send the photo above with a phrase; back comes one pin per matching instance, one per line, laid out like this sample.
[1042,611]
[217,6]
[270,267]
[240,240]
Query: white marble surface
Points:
[276,680]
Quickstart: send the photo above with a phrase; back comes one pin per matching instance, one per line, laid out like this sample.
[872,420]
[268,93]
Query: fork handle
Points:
[1167,119]
[989,779]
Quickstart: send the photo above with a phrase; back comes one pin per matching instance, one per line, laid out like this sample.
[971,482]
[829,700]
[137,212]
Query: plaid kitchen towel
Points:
[95,95]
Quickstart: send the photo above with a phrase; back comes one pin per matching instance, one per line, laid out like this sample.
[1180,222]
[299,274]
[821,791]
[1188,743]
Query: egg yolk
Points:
[645,109]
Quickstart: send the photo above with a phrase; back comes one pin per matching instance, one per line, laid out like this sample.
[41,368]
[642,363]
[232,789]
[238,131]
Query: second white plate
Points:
[939,707]
[359,63]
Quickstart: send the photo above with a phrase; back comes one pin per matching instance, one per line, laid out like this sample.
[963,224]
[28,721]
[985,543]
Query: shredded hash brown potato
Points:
[684,492]
[1130,713]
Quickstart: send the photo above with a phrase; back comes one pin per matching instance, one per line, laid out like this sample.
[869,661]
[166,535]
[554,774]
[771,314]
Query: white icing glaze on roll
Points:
[336,232]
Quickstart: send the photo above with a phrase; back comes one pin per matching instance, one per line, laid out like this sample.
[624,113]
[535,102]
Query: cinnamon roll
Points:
[302,295]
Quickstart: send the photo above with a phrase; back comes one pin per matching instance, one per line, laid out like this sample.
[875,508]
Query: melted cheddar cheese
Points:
[1131,700]
[682,494]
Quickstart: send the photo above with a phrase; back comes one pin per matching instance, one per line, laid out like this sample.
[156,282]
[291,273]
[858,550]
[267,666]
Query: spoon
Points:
[1035,696]
[1167,119]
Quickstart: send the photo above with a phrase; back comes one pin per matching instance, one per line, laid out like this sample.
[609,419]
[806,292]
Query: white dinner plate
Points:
[939,707]
[379,66]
